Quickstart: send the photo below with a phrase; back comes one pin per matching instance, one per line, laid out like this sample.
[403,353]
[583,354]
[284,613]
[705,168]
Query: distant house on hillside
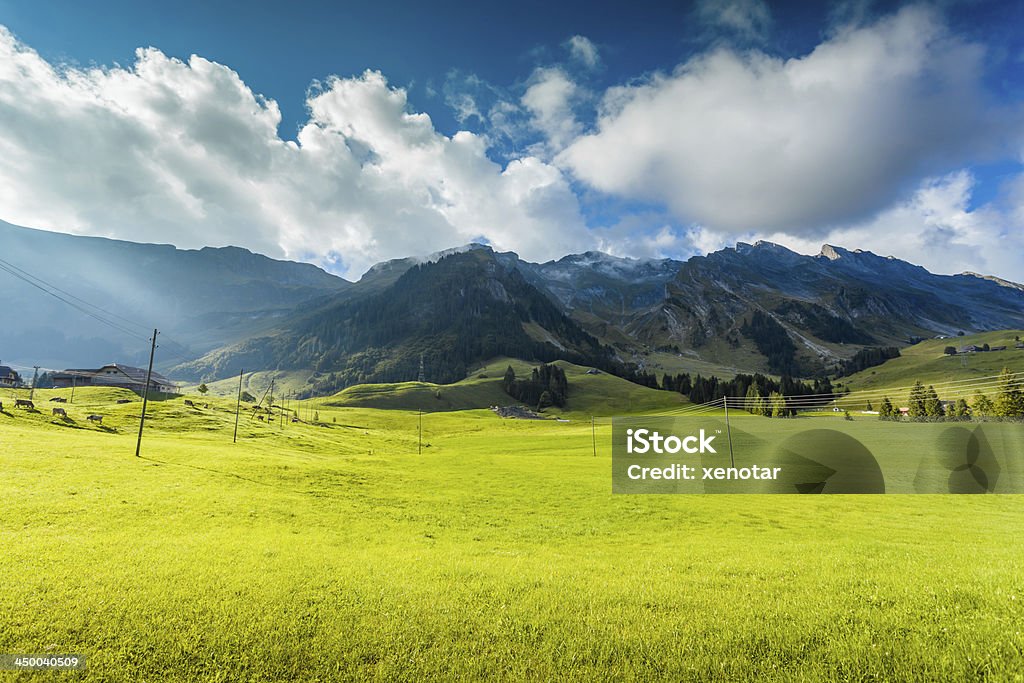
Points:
[114,375]
[970,348]
[998,348]
[1020,345]
[8,377]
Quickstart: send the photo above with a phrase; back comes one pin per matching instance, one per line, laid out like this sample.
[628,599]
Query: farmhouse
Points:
[998,348]
[114,375]
[8,377]
[970,348]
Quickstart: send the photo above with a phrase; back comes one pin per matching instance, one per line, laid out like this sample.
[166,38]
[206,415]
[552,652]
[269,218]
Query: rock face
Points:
[450,313]
[754,307]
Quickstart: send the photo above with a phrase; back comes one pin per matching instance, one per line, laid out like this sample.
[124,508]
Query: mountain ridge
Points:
[655,314]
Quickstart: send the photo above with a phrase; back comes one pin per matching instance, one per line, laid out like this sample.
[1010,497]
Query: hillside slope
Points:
[447,315]
[199,299]
[829,306]
[591,394]
[926,362]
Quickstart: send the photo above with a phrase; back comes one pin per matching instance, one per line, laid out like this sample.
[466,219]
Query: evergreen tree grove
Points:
[1010,397]
[916,404]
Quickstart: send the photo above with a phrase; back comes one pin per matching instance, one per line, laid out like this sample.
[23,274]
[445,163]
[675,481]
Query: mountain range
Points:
[752,307]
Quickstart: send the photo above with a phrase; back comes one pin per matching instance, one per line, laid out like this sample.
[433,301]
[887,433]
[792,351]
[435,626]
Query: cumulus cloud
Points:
[549,99]
[741,142]
[184,151]
[749,19]
[583,51]
[936,227]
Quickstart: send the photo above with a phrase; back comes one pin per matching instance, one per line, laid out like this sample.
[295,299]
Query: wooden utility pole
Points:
[145,394]
[728,429]
[419,450]
[270,420]
[238,405]
[35,377]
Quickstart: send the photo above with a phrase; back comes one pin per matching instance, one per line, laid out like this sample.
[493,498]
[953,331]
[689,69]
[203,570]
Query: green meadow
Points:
[344,551]
[927,362]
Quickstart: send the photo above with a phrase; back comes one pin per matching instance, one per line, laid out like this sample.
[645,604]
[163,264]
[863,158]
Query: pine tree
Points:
[869,407]
[203,388]
[916,404]
[885,411]
[778,403]
[932,404]
[981,406]
[544,401]
[753,402]
[961,410]
[1010,399]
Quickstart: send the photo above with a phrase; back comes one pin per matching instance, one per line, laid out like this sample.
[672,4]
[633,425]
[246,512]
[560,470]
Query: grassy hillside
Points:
[258,382]
[335,552]
[926,362]
[600,394]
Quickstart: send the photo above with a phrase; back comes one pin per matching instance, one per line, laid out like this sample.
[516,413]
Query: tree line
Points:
[763,395]
[547,386]
[923,403]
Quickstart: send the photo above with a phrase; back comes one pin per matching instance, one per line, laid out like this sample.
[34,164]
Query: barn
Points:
[9,377]
[114,375]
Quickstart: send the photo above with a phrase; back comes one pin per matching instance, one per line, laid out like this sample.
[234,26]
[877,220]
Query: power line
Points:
[86,311]
[97,313]
[69,294]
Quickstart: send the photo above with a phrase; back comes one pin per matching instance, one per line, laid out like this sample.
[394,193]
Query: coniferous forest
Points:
[547,386]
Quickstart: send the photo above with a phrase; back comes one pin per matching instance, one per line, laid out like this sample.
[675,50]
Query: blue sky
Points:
[647,129]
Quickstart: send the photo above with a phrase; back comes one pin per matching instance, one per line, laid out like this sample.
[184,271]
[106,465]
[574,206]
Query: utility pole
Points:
[145,394]
[728,430]
[74,381]
[238,405]
[35,376]
[593,434]
[271,404]
[419,451]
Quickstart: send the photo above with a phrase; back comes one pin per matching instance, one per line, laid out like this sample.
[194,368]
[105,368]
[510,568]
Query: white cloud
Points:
[935,228]
[549,98]
[750,19]
[185,152]
[582,50]
[748,142]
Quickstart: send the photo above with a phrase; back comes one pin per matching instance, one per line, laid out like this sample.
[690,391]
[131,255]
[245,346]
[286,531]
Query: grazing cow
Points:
[58,399]
[1,406]
[60,411]
[189,403]
[23,403]
[206,405]
[95,418]
[260,418]
[123,400]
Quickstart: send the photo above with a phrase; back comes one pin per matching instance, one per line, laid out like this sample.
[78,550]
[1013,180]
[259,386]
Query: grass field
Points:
[600,394]
[336,552]
[927,362]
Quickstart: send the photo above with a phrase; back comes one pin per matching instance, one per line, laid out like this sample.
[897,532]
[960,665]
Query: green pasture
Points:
[927,362]
[336,551]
